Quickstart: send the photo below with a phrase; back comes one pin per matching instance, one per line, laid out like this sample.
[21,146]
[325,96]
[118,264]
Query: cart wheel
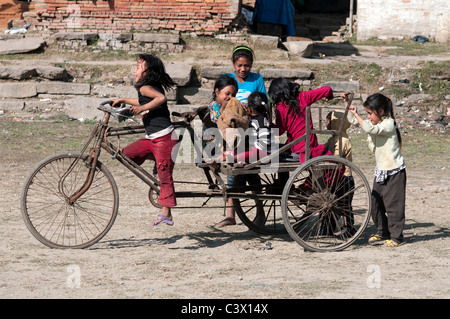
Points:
[325,209]
[49,215]
[153,196]
[247,208]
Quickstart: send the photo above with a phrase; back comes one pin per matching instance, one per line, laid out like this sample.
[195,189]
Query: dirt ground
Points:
[193,260]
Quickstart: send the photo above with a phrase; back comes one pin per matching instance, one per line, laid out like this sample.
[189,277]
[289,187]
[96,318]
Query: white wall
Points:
[394,18]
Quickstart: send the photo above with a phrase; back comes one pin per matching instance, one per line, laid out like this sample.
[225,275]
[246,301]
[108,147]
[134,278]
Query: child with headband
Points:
[248,82]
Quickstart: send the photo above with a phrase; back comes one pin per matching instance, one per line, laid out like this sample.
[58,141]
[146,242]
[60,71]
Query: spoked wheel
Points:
[326,210]
[153,197]
[264,198]
[52,218]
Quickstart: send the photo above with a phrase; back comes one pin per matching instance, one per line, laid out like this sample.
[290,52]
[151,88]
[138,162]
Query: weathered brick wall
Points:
[406,18]
[11,10]
[204,16]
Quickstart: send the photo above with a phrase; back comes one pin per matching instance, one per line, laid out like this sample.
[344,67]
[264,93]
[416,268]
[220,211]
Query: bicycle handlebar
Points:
[116,110]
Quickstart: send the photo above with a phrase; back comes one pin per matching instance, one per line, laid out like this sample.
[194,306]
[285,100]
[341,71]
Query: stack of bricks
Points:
[118,16]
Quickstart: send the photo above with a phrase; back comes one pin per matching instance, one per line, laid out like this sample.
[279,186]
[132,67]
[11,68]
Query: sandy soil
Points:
[194,260]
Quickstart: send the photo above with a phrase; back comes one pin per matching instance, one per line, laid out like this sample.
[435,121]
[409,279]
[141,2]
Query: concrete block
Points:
[179,72]
[17,72]
[265,40]
[342,86]
[213,72]
[12,105]
[70,36]
[63,88]
[285,73]
[156,37]
[302,48]
[194,95]
[17,90]
[83,107]
[24,45]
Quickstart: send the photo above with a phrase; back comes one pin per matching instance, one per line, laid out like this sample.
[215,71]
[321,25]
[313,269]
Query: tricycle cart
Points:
[70,199]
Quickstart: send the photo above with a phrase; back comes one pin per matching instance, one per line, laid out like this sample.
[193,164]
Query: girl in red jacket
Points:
[291,116]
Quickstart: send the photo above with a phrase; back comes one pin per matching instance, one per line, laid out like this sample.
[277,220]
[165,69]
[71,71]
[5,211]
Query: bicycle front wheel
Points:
[52,218]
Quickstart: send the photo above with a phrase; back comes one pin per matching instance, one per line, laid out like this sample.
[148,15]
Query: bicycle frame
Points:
[100,134]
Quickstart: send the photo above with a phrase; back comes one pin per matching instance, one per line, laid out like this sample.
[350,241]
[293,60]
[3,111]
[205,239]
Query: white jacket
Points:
[383,141]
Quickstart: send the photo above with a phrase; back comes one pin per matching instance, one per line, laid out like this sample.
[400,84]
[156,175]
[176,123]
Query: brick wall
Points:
[11,10]
[202,16]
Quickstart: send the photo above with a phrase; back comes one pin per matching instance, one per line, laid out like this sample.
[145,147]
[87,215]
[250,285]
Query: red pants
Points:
[160,150]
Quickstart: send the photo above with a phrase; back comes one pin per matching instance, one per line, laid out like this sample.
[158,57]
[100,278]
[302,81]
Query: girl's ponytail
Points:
[258,101]
[391,112]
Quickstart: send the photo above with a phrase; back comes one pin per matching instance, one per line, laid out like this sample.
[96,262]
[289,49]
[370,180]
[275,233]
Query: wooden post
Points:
[351,18]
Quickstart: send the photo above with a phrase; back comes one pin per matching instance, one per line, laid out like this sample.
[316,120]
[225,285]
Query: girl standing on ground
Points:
[151,80]
[290,105]
[389,186]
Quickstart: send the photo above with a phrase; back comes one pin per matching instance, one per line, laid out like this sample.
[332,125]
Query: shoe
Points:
[392,243]
[377,239]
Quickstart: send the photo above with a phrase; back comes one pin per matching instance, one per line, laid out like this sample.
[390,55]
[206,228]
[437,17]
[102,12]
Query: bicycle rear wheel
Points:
[48,213]
[269,191]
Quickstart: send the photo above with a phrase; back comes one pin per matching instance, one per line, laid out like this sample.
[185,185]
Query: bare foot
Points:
[226,222]
[260,219]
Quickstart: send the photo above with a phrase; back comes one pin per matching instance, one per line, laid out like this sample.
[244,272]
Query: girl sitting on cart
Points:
[259,131]
[290,105]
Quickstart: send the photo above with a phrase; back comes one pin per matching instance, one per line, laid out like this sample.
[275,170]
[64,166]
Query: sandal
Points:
[376,239]
[392,243]
[161,219]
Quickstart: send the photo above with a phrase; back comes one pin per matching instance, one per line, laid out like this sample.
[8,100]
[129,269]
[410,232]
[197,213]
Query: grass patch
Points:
[420,148]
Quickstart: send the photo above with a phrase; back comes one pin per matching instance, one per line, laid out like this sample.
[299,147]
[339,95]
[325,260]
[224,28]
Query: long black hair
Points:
[222,82]
[155,73]
[283,90]
[378,102]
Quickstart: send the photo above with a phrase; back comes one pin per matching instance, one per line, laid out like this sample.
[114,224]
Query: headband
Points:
[243,48]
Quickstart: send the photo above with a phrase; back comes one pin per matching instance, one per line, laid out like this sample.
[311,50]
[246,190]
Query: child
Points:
[260,131]
[151,79]
[248,82]
[259,146]
[334,120]
[225,88]
[290,114]
[389,187]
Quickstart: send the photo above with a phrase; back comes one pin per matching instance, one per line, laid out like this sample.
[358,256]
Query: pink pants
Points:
[251,155]
[160,150]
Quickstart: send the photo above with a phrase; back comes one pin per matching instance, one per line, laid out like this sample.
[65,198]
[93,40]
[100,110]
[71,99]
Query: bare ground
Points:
[193,260]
